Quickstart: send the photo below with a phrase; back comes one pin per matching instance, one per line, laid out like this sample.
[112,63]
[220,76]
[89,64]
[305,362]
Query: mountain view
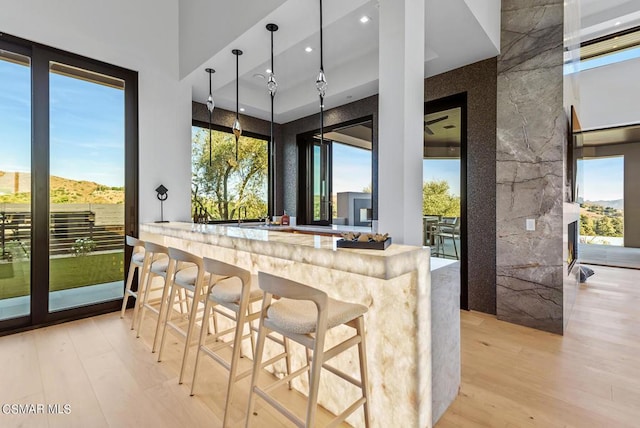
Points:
[15,188]
[616,203]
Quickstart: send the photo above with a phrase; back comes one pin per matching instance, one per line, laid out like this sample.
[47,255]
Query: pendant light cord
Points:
[237,86]
[273,144]
[210,118]
[322,70]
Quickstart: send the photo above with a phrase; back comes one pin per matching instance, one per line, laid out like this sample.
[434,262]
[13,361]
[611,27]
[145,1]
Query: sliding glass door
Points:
[86,186]
[15,183]
[68,179]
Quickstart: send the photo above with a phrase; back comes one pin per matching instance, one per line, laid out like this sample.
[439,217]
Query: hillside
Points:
[63,190]
[616,203]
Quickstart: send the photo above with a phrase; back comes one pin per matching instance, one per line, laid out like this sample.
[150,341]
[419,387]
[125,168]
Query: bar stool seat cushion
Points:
[160,265]
[228,290]
[300,316]
[138,257]
[188,276]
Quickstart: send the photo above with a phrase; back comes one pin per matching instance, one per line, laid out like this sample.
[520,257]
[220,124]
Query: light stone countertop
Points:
[306,248]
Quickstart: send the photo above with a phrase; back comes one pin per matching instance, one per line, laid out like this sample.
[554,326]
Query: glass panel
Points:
[441,182]
[86,187]
[224,189]
[351,185]
[15,185]
[602,209]
[317,183]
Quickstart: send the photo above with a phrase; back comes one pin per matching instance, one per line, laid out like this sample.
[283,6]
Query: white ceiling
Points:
[456,35]
[602,17]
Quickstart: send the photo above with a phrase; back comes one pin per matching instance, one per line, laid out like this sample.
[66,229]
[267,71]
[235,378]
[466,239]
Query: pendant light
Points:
[237,128]
[321,81]
[272,87]
[210,107]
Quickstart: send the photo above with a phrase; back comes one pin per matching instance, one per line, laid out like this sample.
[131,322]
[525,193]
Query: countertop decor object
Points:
[364,241]
[162,196]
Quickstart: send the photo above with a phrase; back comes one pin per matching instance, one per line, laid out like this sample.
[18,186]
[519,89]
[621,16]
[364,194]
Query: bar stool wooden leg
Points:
[172,298]
[316,367]
[192,322]
[364,378]
[203,334]
[262,333]
[127,289]
[147,285]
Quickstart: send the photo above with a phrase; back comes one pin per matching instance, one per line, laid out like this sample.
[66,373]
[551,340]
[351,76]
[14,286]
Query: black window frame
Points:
[267,139]
[41,56]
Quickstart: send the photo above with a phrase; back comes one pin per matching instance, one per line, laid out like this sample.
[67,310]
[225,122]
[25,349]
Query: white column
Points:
[400,120]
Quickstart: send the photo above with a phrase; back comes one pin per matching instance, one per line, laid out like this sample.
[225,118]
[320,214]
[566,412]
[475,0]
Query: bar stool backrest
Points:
[216,267]
[184,256]
[134,242]
[156,248]
[282,287]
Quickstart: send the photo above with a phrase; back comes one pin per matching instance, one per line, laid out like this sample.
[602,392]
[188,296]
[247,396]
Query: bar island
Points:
[394,284]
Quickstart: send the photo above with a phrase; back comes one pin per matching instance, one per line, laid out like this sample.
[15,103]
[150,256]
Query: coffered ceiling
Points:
[458,32]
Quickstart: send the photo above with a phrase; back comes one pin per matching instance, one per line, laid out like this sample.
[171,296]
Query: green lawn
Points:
[65,273]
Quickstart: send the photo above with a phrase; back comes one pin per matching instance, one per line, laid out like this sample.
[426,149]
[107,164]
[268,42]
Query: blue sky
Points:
[86,127]
[352,169]
[603,178]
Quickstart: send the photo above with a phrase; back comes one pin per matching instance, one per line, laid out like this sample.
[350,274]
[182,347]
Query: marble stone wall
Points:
[532,133]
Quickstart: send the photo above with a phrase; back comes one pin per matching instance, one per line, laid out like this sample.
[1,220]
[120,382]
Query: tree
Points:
[227,189]
[586,226]
[604,227]
[437,199]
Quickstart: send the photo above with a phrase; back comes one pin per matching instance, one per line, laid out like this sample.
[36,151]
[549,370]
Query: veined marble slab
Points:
[394,284]
[310,249]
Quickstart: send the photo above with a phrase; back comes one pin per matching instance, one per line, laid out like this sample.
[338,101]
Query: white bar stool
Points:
[191,277]
[156,264]
[135,264]
[305,314]
[235,291]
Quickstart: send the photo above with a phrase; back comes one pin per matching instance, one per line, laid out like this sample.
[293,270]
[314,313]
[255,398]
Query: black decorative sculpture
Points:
[162,196]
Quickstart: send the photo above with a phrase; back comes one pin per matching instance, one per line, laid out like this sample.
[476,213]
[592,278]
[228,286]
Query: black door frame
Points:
[305,142]
[40,56]
[446,103]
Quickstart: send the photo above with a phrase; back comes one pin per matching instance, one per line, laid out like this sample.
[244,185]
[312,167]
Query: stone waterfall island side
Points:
[394,284]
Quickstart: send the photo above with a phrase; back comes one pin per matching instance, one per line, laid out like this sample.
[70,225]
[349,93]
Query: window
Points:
[225,189]
[68,183]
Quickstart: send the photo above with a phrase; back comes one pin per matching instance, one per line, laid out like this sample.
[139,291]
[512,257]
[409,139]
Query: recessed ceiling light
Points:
[308,49]
[615,46]
[349,97]
[241,108]
[365,19]
[617,23]
[258,76]
[268,71]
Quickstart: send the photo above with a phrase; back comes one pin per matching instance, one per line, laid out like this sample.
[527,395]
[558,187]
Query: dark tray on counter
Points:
[343,243]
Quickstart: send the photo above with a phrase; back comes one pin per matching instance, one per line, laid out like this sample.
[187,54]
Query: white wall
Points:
[140,35]
[609,95]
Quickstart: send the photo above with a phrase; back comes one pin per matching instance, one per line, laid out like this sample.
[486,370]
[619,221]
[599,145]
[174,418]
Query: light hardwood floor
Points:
[111,379]
[512,376]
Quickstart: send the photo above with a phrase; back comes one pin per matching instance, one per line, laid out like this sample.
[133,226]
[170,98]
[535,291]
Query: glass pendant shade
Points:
[237,128]
[210,104]
[321,83]
[272,85]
